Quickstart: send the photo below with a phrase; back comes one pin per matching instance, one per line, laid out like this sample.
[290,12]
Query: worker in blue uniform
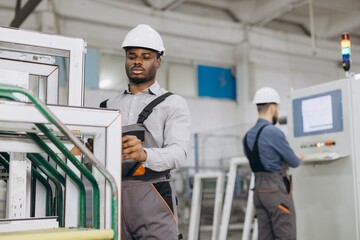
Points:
[269,155]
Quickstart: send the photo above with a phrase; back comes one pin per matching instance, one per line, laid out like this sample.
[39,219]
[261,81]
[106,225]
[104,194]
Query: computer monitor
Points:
[318,114]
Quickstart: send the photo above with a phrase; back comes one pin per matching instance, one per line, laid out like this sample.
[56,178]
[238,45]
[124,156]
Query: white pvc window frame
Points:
[103,124]
[51,72]
[36,42]
[229,195]
[194,224]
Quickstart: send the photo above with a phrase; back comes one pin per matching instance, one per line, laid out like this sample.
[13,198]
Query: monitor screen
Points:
[318,114]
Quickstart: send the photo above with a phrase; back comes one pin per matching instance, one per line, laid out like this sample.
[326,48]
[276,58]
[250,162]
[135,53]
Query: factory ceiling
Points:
[322,19]
[318,19]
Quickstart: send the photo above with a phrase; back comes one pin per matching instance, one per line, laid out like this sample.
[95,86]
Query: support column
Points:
[245,79]
[19,186]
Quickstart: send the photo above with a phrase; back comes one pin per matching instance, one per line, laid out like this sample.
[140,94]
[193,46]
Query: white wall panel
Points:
[183,79]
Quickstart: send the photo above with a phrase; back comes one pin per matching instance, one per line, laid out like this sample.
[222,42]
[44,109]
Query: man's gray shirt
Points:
[169,123]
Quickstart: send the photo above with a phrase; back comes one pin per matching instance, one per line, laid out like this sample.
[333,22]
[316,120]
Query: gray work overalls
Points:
[148,198]
[273,201]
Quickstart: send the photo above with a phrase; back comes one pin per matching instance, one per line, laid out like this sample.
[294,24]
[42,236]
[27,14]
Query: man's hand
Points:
[90,144]
[132,149]
[300,155]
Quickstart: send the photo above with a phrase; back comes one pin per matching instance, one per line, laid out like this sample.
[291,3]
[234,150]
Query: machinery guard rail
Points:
[6,91]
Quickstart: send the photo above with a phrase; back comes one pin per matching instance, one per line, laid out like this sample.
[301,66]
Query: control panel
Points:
[323,125]
[320,151]
[322,156]
[318,144]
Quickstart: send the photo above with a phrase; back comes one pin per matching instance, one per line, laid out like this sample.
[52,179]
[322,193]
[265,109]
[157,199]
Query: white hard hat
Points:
[266,95]
[144,36]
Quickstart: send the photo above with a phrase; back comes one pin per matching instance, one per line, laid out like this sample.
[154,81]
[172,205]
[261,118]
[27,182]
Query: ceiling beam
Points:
[161,4]
[222,6]
[338,23]
[24,12]
[211,3]
[267,11]
[344,5]
[300,25]
[172,5]
[147,3]
[18,6]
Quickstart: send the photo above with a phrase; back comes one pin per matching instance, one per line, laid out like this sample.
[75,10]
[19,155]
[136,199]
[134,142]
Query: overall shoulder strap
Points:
[258,135]
[104,104]
[149,108]
[253,155]
[247,148]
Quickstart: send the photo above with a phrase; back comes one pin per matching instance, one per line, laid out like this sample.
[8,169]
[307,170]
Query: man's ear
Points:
[158,62]
[272,108]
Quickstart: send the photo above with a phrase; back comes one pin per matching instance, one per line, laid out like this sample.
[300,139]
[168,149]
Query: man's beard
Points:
[275,119]
[137,81]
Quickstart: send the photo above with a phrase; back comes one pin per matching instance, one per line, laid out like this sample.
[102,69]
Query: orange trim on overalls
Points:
[139,171]
[283,208]
[163,200]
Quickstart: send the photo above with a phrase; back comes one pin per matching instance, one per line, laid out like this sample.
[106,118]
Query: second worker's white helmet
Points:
[266,95]
[144,36]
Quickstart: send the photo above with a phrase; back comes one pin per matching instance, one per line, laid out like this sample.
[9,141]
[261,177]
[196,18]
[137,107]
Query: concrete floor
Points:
[205,234]
[235,225]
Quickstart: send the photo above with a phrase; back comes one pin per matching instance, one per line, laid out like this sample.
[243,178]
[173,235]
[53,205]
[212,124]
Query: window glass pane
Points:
[112,72]
[92,68]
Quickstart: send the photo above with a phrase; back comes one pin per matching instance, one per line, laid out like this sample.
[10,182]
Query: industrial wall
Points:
[258,57]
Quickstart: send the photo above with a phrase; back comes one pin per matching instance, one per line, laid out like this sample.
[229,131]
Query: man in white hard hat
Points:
[269,155]
[156,135]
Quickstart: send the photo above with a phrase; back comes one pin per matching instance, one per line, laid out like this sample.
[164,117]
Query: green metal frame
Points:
[96,192]
[53,175]
[69,172]
[46,166]
[49,193]
[6,91]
